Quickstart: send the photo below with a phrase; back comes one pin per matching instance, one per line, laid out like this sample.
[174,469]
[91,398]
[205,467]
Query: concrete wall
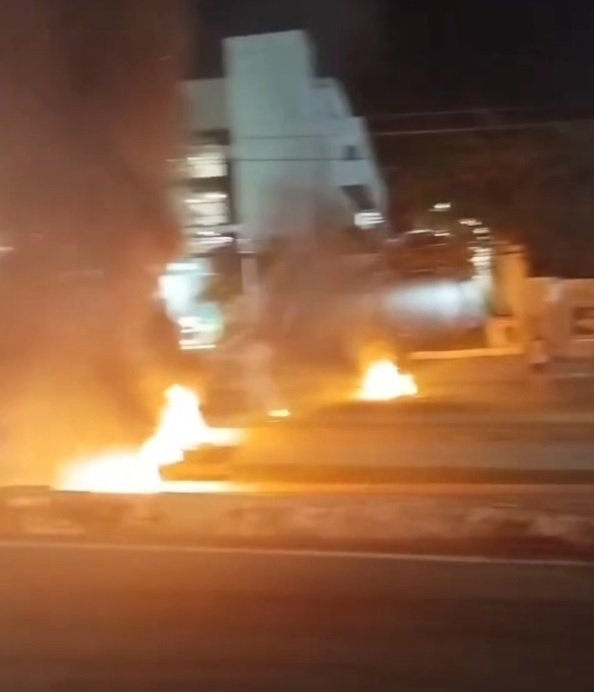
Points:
[562,312]
[345,131]
[510,271]
[576,316]
[539,308]
[275,147]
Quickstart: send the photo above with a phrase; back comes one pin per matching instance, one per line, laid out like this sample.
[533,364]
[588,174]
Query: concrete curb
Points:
[469,521]
[406,413]
[412,413]
[403,518]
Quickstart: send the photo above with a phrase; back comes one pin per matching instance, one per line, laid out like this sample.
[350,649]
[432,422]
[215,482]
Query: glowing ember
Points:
[383,381]
[181,428]
[279,413]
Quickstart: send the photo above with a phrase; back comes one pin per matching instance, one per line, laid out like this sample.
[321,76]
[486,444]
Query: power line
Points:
[479,110]
[412,133]
[510,127]
[478,128]
[503,127]
[460,111]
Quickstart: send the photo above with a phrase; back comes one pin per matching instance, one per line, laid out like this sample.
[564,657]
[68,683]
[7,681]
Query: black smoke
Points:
[89,124]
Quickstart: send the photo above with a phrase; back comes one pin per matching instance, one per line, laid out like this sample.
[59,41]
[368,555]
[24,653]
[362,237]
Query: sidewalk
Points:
[303,389]
[330,393]
[507,383]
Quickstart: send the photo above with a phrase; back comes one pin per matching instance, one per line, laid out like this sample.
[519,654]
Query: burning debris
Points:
[181,429]
[383,381]
[88,123]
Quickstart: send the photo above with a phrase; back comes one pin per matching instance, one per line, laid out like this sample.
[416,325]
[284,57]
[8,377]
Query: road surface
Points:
[97,618]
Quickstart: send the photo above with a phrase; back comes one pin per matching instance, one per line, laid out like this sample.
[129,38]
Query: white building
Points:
[275,149]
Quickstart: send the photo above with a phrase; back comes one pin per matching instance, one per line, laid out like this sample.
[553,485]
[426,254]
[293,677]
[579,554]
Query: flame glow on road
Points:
[180,429]
[383,381]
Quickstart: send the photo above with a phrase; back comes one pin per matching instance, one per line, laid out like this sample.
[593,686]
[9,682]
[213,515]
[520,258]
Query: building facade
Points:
[275,150]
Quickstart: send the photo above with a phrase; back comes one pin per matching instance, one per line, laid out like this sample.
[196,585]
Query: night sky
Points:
[407,55]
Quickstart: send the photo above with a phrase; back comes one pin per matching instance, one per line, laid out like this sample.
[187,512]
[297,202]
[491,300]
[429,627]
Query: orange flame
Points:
[383,381]
[180,429]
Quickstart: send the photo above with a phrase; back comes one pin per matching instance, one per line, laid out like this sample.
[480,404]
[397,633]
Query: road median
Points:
[545,522]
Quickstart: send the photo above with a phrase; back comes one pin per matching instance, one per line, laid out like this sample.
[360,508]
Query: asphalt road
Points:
[97,618]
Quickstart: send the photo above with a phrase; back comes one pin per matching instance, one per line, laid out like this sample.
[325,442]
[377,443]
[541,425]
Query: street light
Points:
[441,206]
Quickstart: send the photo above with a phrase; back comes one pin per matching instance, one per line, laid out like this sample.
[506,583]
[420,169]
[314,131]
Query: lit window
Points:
[368,219]
[207,208]
[207,161]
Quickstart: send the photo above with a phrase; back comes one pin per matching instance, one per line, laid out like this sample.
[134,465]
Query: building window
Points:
[352,153]
[207,161]
[368,219]
[207,208]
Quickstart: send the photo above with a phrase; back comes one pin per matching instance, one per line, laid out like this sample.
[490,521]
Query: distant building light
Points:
[421,230]
[470,222]
[368,219]
[214,241]
[483,230]
[215,196]
[189,322]
[441,206]
[197,333]
[206,209]
[181,266]
[442,234]
[207,161]
[481,259]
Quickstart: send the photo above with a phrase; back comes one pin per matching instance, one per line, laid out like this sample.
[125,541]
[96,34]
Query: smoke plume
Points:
[88,126]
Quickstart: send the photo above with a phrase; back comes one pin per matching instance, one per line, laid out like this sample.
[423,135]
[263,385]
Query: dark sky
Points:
[402,55]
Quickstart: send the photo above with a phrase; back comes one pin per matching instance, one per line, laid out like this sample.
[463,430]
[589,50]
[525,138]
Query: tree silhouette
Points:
[534,187]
